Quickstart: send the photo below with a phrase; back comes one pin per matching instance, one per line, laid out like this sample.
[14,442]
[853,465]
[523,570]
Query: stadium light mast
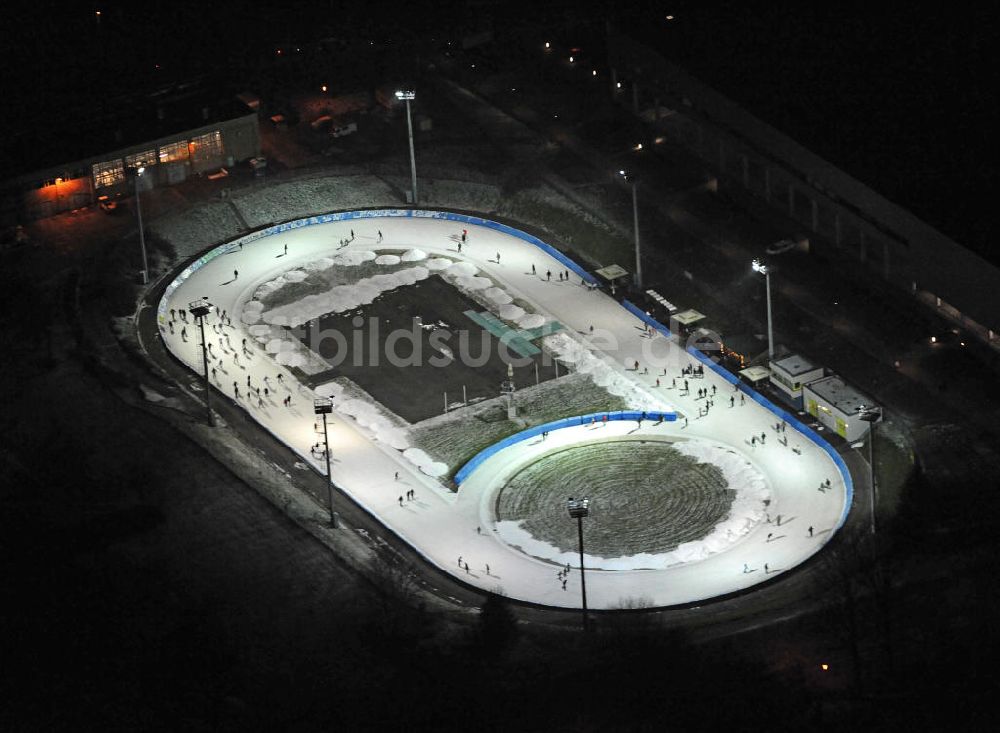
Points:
[578,509]
[871,415]
[324,406]
[408,96]
[764,270]
[635,223]
[199,309]
[142,236]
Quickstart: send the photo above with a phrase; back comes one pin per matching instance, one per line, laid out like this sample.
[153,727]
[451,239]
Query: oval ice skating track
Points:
[442,525]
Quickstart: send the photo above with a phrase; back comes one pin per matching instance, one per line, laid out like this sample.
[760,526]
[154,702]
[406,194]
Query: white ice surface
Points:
[442,525]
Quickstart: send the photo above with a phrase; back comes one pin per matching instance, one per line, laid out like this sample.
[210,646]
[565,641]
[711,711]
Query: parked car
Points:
[108,205]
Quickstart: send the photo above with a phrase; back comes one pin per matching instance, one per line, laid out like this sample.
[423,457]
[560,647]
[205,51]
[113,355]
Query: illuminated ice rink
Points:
[768,481]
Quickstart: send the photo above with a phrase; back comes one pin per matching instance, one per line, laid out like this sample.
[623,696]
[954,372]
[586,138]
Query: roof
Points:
[837,393]
[755,373]
[687,317]
[612,272]
[794,365]
[121,124]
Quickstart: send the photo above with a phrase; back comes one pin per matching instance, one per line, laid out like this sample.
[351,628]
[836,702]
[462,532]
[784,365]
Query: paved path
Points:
[441,525]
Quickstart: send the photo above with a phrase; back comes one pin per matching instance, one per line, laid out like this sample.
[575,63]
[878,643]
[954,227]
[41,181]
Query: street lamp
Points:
[763,269]
[635,222]
[199,309]
[871,415]
[324,406]
[409,96]
[578,509]
[142,237]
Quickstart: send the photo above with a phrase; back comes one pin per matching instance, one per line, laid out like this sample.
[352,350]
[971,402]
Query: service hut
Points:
[790,373]
[835,404]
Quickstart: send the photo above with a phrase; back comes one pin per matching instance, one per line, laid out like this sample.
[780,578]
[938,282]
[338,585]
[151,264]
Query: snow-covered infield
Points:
[781,516]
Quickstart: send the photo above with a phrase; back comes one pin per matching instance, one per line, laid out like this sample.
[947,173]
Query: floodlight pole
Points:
[871,416]
[199,309]
[142,236]
[324,406]
[760,267]
[635,223]
[408,96]
[578,509]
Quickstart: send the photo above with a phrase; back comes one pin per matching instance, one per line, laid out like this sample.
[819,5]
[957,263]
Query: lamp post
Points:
[578,509]
[871,415]
[635,223]
[142,236]
[199,309]
[409,96]
[763,269]
[324,406]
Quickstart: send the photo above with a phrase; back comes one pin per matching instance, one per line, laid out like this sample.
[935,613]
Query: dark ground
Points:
[415,390]
[147,588]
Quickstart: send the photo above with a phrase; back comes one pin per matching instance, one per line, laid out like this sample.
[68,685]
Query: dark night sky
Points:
[900,98]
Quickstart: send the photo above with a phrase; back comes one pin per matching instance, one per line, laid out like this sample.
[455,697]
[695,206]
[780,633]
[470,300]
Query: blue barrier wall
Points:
[569,422]
[366,214]
[646,318]
[790,419]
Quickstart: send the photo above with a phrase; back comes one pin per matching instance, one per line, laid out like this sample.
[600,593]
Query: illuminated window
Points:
[108,173]
[145,158]
[206,147]
[174,152]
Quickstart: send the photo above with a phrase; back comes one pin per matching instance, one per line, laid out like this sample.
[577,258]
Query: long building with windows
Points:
[840,217]
[174,134]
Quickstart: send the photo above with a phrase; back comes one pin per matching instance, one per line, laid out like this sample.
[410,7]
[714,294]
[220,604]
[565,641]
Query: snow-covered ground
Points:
[376,465]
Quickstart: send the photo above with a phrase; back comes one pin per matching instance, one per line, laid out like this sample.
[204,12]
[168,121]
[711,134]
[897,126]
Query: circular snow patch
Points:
[253,305]
[531,320]
[511,312]
[462,269]
[435,469]
[497,295]
[295,276]
[414,255]
[273,346]
[323,263]
[250,317]
[260,330]
[473,283]
[417,457]
[387,260]
[330,389]
[438,263]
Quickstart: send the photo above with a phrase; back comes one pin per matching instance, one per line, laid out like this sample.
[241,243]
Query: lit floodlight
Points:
[406,95]
[578,508]
[759,266]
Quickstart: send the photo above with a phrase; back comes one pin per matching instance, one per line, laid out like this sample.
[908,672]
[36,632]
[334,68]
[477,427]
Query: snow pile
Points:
[531,320]
[414,255]
[571,351]
[251,314]
[472,283]
[511,312]
[436,264]
[353,257]
[387,260]
[294,276]
[746,511]
[323,263]
[333,390]
[342,298]
[424,462]
[368,415]
[497,295]
[459,270]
